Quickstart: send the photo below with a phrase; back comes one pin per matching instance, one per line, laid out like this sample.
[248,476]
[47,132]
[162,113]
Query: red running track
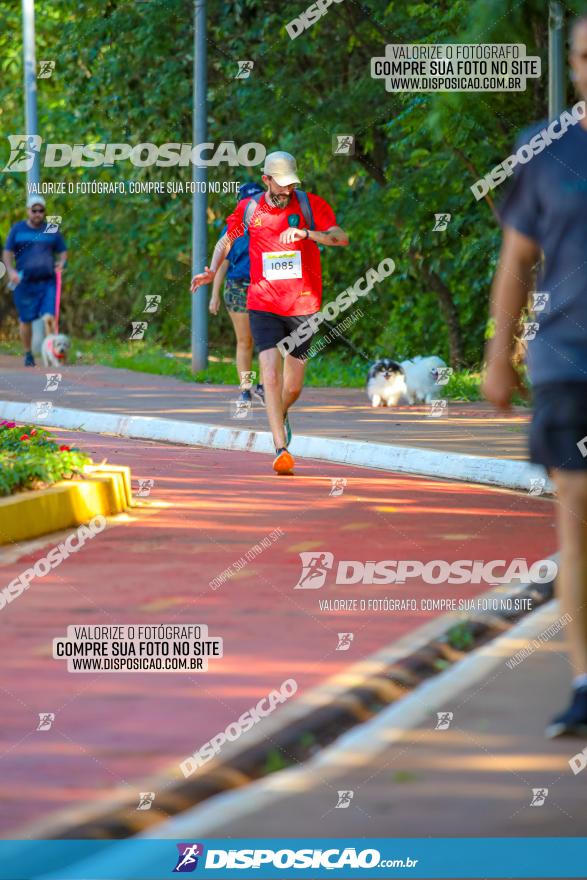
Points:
[206,509]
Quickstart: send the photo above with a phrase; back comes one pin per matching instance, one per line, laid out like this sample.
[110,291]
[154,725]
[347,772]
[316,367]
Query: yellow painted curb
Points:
[106,490]
[121,469]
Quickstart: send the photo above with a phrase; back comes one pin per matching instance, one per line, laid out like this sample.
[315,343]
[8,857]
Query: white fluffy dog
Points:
[390,383]
[422,378]
[54,349]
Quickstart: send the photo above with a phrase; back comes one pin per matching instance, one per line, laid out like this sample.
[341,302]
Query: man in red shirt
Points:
[286,283]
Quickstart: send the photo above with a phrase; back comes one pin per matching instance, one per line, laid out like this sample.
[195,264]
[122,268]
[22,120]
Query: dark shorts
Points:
[558,433]
[268,329]
[33,299]
[235,295]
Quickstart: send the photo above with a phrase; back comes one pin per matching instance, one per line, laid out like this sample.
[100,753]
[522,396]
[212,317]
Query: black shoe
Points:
[573,722]
[29,360]
[245,396]
[259,393]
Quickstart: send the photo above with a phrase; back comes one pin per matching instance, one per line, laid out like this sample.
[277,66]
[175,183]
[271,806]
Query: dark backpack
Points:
[302,199]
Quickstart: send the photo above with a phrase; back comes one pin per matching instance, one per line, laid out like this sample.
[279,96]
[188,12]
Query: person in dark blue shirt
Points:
[543,217]
[39,249]
[236,270]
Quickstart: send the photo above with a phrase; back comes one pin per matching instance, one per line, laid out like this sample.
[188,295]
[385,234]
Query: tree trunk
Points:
[447,307]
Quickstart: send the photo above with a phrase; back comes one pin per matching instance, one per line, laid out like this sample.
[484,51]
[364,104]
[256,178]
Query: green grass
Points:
[335,368]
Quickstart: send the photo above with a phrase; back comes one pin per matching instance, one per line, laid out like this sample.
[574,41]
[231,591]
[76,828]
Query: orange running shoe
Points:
[284,462]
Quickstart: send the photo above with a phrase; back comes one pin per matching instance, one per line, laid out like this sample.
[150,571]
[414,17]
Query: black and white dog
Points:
[390,383]
[386,383]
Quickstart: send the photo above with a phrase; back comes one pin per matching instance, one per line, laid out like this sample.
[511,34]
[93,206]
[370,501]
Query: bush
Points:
[30,458]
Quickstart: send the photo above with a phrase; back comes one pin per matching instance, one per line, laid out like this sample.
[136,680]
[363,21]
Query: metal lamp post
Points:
[199,198]
[556,60]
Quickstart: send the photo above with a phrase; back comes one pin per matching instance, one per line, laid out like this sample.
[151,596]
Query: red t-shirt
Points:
[286,279]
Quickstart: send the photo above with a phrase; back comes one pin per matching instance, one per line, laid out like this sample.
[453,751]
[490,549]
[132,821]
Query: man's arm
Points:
[8,260]
[333,237]
[221,251]
[61,260]
[511,286]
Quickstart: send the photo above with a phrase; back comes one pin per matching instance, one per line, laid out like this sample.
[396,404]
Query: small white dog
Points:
[422,378]
[54,349]
[390,383]
[386,383]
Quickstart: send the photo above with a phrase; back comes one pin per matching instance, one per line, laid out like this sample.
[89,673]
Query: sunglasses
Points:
[38,210]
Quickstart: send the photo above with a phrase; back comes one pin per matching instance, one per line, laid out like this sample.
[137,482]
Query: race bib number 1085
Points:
[282,264]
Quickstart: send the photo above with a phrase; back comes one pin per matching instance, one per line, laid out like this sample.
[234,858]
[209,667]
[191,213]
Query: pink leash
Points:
[57,297]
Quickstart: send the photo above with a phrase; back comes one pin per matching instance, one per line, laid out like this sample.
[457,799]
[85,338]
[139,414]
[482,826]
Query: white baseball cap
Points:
[282,167]
[35,200]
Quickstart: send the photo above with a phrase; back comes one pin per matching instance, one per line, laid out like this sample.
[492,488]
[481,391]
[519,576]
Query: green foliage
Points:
[460,636]
[308,740]
[440,664]
[464,385]
[29,458]
[404,776]
[275,762]
[123,74]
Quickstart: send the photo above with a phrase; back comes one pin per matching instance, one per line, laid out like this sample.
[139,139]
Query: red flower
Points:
[9,424]
[33,432]
[24,437]
[64,449]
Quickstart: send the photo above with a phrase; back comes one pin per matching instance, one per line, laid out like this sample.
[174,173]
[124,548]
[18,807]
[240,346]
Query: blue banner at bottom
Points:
[148,859]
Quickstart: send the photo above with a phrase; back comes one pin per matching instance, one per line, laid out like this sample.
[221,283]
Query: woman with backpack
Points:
[234,271]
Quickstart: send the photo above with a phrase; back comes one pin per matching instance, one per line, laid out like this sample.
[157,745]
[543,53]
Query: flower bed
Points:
[31,459]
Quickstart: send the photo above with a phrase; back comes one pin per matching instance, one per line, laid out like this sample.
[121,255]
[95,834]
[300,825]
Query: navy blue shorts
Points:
[33,299]
[558,433]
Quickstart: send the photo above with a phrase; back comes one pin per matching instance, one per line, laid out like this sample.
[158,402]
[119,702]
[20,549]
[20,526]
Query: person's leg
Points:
[244,342]
[558,424]
[293,380]
[270,361]
[47,306]
[25,307]
[26,335]
[260,376]
[268,329]
[571,515]
[49,322]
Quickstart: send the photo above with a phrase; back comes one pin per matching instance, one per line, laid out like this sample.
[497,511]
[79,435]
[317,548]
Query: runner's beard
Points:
[280,200]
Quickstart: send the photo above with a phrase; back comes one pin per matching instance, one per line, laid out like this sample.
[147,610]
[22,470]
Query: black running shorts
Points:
[558,433]
[268,329]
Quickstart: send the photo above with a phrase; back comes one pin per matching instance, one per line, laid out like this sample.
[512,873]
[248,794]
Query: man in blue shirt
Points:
[544,218]
[39,250]
[237,271]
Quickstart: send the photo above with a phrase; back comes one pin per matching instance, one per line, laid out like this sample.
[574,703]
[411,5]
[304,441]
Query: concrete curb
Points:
[354,749]
[330,712]
[504,473]
[104,491]
[358,746]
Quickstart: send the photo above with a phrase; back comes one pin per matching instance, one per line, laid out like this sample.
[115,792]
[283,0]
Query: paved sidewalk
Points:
[474,779]
[206,509]
[473,428]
